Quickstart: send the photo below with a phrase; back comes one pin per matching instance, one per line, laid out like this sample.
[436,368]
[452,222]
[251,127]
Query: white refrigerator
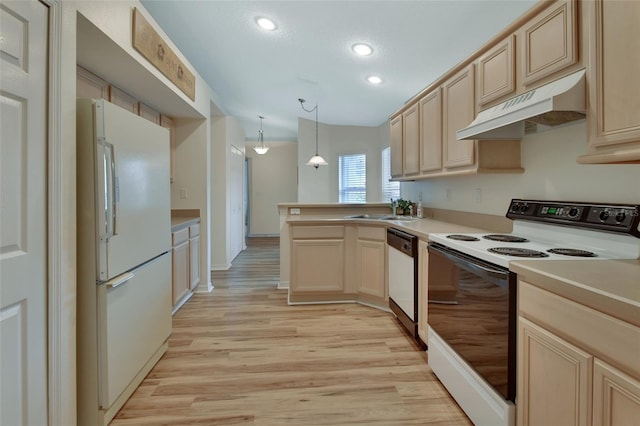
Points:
[124,255]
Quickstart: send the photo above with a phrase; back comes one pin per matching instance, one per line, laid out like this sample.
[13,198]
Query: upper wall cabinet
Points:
[458,111]
[614,84]
[411,140]
[496,72]
[396,147]
[549,41]
[431,132]
[90,86]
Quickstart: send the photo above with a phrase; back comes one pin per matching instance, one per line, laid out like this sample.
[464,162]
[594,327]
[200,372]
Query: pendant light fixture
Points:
[315,161]
[261,148]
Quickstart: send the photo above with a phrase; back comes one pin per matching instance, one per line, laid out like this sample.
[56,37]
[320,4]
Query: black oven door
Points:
[472,307]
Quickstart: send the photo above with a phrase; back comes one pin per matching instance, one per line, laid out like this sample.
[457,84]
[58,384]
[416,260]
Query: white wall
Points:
[551,173]
[321,185]
[273,179]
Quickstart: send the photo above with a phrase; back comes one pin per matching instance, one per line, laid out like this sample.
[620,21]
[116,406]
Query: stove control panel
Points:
[607,217]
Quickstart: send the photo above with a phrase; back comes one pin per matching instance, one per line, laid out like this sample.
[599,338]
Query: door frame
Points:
[61,345]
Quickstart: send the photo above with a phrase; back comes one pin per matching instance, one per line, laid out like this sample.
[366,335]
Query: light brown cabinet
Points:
[423,287]
[411,140]
[123,99]
[576,365]
[397,156]
[431,132]
[317,259]
[180,264]
[371,256]
[458,108]
[90,86]
[560,395]
[167,123]
[496,72]
[194,256]
[614,87]
[616,396]
[549,41]
[149,113]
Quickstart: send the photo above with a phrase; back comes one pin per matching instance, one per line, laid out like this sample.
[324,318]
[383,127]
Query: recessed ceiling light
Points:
[362,49]
[266,24]
[374,79]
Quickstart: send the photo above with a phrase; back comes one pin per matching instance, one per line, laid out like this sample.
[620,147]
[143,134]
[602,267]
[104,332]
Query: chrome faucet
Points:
[394,206]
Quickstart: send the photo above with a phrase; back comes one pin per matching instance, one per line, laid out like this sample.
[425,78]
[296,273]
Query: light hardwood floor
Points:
[241,355]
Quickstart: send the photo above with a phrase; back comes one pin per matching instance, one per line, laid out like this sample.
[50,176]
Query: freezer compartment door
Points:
[134,320]
[133,171]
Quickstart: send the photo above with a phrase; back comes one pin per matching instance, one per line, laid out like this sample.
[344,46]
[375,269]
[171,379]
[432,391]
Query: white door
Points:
[23,213]
[236,200]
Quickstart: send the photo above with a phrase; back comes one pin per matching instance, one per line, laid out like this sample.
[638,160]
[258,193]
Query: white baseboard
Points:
[283,285]
[221,267]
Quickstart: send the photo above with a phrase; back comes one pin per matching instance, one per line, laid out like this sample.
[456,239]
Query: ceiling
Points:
[255,72]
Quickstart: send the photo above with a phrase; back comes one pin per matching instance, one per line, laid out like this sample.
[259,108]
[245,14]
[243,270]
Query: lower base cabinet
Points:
[331,263]
[566,357]
[180,265]
[371,270]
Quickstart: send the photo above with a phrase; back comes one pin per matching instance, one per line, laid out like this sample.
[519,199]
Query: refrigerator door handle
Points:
[110,190]
[119,280]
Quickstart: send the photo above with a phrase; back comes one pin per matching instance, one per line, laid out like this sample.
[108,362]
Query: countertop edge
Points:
[181,222]
[610,303]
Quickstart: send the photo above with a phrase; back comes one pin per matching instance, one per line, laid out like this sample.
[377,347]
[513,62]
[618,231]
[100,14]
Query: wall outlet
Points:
[183,193]
[447,194]
[294,211]
[478,195]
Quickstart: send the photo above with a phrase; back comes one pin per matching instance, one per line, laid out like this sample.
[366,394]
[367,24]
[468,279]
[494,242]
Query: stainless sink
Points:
[382,217]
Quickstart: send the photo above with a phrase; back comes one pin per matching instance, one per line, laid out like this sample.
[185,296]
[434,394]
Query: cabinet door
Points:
[90,86]
[317,265]
[371,270]
[616,397]
[614,95]
[194,262]
[458,112]
[554,379]
[431,131]
[180,263]
[396,147]
[423,286]
[149,113]
[411,140]
[549,41]
[123,99]
[496,72]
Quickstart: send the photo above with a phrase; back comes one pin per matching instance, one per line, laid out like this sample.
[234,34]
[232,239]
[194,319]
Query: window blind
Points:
[352,179]
[389,189]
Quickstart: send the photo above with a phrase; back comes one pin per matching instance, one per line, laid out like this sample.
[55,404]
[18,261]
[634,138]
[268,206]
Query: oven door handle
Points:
[471,265]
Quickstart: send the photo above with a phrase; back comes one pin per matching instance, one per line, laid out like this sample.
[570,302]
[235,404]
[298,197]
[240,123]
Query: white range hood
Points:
[555,103]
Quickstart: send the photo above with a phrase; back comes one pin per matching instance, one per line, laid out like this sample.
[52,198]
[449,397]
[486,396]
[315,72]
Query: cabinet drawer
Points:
[194,230]
[372,233]
[180,236]
[608,338]
[317,232]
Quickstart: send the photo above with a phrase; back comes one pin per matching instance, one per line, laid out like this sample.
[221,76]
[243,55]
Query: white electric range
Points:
[472,294]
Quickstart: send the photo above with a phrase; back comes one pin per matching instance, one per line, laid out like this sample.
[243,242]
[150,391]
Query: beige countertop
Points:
[609,286]
[180,222]
[418,227]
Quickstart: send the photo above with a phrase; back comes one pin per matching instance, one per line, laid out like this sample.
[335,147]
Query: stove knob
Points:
[515,207]
[620,217]
[604,215]
[523,208]
[573,212]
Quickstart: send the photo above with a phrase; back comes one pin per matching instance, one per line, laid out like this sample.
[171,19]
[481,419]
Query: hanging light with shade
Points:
[315,161]
[261,148]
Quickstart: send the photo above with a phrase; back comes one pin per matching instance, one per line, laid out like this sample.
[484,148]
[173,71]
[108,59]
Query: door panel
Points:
[23,213]
[143,204]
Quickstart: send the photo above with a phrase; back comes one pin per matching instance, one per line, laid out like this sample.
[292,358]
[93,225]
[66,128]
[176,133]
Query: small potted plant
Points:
[404,206]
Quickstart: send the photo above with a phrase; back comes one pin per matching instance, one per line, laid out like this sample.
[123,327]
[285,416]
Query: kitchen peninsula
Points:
[325,252]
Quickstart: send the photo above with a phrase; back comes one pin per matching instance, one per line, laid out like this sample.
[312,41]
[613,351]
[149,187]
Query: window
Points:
[352,178]
[389,189]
